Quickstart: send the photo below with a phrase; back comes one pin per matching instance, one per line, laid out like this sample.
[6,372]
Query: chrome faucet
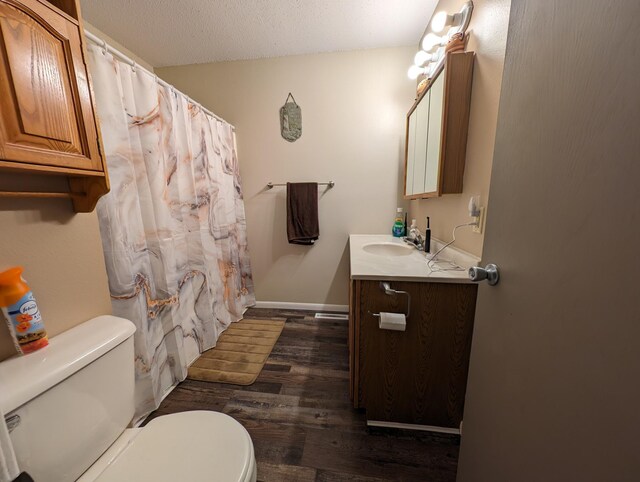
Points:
[417,241]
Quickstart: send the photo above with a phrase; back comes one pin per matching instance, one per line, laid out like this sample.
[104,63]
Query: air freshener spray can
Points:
[21,311]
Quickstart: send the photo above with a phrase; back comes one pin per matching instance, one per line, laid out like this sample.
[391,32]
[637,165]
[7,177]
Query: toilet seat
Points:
[193,446]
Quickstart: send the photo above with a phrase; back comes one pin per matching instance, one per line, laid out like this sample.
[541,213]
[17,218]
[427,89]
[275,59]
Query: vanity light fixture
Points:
[438,55]
[423,57]
[459,20]
[443,19]
[433,50]
[415,71]
[431,40]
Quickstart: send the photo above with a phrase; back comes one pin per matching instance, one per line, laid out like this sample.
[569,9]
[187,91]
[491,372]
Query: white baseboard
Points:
[284,305]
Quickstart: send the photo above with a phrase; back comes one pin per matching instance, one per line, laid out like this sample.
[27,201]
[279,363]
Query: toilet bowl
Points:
[69,406]
[198,445]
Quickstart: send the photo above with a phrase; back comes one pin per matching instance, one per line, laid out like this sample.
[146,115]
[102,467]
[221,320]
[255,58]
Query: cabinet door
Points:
[46,115]
[417,376]
[411,146]
[422,126]
[434,135]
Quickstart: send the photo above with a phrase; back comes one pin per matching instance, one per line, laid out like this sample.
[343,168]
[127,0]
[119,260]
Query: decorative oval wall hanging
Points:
[290,120]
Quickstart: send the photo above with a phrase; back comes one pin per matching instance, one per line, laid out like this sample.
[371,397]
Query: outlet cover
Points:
[480,227]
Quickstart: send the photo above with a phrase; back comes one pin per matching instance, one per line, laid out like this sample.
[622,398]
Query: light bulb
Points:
[414,71]
[422,57]
[430,40]
[439,21]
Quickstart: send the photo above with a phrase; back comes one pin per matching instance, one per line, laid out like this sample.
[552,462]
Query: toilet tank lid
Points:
[22,378]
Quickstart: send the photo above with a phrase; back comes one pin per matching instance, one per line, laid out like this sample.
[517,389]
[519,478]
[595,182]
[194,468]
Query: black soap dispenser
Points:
[427,237]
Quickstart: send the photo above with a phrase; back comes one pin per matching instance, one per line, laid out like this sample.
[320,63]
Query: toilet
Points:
[69,404]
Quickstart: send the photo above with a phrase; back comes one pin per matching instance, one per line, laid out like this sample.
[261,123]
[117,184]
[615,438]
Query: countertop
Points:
[412,267]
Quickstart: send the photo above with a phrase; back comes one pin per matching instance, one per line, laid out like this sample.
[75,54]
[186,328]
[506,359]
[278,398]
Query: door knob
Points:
[489,273]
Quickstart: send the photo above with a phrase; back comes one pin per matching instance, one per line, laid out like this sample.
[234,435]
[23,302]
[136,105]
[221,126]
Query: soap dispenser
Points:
[398,225]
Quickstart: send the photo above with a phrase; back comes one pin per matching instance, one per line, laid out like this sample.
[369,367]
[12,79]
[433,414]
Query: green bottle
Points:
[398,225]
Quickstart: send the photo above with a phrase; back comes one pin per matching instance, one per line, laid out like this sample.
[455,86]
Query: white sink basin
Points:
[388,249]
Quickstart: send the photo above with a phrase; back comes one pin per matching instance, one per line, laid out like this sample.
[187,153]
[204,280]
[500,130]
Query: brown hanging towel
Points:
[302,212]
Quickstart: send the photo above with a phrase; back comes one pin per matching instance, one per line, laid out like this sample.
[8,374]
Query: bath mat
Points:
[240,353]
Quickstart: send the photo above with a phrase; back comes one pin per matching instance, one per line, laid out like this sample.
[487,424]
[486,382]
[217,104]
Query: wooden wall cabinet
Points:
[48,123]
[437,126]
[418,376]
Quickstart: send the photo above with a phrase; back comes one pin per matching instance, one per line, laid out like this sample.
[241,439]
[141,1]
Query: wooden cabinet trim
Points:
[453,147]
[66,8]
[356,354]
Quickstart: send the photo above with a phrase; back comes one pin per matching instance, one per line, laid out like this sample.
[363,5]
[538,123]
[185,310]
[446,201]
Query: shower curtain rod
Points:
[101,43]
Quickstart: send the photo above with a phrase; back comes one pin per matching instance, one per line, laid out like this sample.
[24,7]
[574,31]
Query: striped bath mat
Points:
[240,353]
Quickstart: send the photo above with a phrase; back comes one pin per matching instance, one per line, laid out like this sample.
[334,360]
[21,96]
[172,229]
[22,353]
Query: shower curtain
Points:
[173,226]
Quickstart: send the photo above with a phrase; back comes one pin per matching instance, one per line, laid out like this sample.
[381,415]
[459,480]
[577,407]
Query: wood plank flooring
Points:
[301,420]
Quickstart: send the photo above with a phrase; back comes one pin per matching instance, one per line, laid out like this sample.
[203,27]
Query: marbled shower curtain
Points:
[173,226]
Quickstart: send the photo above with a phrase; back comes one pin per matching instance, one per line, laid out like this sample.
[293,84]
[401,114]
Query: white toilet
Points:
[68,406]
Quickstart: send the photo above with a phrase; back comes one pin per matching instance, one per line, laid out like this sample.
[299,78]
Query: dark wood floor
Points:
[301,421]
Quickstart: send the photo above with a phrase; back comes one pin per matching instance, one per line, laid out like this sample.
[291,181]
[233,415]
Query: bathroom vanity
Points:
[417,376]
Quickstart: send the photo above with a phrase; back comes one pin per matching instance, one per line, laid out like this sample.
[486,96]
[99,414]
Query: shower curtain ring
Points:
[104,47]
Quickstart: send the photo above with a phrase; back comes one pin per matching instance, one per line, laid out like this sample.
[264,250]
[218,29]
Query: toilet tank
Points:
[68,402]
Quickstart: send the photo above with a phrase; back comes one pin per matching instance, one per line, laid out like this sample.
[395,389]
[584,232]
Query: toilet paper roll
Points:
[392,321]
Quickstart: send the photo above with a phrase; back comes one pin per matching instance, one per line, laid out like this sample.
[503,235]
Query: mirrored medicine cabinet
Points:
[437,126]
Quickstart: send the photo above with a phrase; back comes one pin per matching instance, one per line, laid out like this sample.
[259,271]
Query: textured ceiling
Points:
[178,32]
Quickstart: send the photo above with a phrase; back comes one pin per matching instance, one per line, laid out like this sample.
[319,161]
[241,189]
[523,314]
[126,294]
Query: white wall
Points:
[353,114]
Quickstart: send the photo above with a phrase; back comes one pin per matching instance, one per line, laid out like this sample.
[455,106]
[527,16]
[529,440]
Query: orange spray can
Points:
[22,313]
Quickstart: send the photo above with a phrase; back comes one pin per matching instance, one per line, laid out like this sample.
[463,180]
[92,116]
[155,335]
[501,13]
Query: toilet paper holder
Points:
[386,287]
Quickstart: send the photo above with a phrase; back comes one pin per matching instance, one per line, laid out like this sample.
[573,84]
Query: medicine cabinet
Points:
[437,126]
[48,124]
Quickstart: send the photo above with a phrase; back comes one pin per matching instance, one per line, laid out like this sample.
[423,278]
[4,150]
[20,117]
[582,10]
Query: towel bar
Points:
[271,185]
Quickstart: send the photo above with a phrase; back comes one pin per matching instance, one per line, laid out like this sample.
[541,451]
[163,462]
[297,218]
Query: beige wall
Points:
[62,255]
[488,36]
[353,115]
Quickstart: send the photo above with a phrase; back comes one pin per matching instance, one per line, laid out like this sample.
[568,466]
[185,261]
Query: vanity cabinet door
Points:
[418,376]
[46,114]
